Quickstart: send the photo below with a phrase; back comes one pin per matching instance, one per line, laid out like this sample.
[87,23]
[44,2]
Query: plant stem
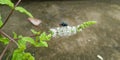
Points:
[3,33]
[10,38]
[4,51]
[7,36]
[11,12]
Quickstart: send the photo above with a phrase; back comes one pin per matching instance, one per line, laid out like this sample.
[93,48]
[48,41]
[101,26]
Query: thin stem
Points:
[4,51]
[7,36]
[11,39]
[11,12]
[3,33]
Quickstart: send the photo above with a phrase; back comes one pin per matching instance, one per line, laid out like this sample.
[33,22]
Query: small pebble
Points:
[100,57]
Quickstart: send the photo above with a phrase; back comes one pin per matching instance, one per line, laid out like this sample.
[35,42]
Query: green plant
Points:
[39,39]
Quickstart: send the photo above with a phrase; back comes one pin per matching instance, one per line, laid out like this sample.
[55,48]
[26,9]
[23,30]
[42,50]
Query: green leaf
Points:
[41,44]
[1,23]
[7,2]
[17,55]
[15,35]
[23,40]
[28,56]
[28,39]
[22,44]
[85,25]
[35,32]
[11,5]
[22,10]
[49,36]
[45,37]
[21,55]
[4,40]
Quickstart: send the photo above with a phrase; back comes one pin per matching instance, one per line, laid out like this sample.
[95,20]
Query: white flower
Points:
[64,31]
[54,32]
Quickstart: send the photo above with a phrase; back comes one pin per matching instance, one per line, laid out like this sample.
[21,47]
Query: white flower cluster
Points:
[64,31]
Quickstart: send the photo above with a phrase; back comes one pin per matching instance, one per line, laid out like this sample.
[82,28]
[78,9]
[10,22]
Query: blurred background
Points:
[98,42]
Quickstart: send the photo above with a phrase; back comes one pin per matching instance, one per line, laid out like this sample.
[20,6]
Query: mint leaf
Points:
[35,32]
[22,10]
[4,40]
[41,44]
[21,55]
[45,37]
[7,2]
[15,35]
[23,40]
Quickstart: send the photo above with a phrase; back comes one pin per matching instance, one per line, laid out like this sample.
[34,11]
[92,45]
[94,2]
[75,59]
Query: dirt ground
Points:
[101,39]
